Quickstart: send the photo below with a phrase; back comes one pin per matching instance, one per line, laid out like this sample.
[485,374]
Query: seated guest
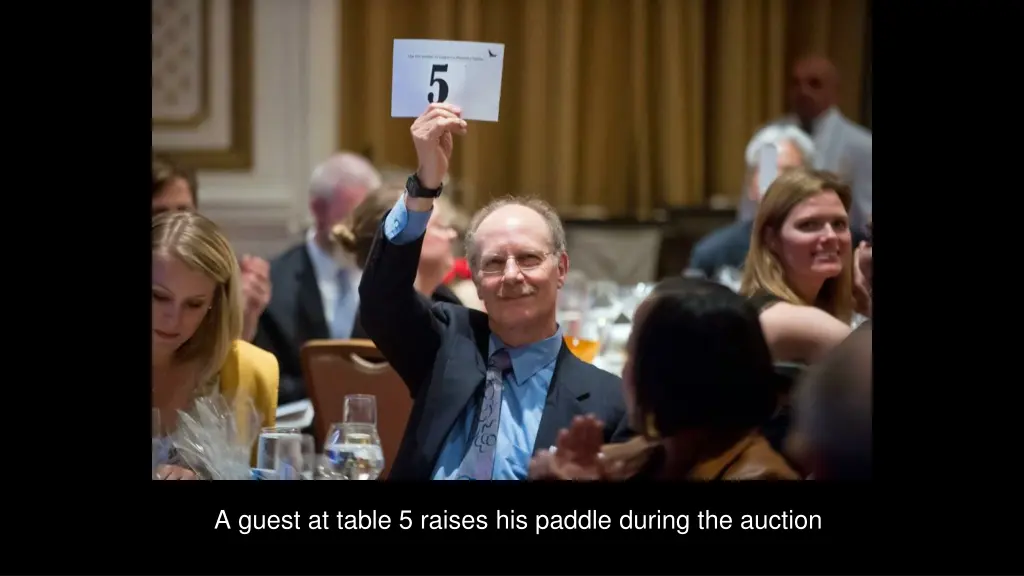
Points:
[175,189]
[355,237]
[197,324]
[798,271]
[727,247]
[832,431]
[315,294]
[489,389]
[699,383]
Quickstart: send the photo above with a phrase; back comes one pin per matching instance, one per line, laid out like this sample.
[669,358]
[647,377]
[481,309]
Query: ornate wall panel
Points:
[202,80]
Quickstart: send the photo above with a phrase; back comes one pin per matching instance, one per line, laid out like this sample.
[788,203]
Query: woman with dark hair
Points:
[699,384]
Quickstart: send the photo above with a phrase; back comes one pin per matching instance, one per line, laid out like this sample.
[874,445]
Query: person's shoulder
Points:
[800,332]
[445,294]
[466,321]
[263,364]
[759,461]
[795,314]
[856,134]
[595,379]
[254,372]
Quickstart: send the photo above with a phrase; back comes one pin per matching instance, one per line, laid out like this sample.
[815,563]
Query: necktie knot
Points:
[501,361]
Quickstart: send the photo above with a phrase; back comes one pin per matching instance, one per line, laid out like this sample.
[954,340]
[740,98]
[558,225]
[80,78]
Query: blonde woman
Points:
[197,325]
[798,271]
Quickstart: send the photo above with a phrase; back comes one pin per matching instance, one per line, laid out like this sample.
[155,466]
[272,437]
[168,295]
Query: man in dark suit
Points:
[315,287]
[489,389]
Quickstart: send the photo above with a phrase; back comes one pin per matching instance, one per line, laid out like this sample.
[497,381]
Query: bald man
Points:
[841,145]
[316,292]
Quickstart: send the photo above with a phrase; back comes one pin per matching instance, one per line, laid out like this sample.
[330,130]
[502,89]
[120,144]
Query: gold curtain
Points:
[628,105]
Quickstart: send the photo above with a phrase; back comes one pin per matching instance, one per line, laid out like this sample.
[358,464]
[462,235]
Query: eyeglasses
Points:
[495,264]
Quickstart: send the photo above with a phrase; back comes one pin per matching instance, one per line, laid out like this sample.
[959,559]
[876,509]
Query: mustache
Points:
[515,290]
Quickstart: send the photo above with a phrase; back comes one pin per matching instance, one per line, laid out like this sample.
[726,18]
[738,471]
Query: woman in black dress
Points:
[798,272]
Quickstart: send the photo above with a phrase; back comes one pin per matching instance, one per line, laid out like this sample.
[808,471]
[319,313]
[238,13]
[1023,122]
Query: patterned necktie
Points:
[478,464]
[344,308]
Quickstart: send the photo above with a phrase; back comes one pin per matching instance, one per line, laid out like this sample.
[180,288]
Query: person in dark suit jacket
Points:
[315,289]
[489,389]
[356,235]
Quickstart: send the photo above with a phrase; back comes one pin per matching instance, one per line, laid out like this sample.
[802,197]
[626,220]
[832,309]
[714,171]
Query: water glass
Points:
[360,409]
[352,451]
[275,444]
[295,460]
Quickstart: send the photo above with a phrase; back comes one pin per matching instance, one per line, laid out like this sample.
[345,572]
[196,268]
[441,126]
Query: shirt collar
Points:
[529,359]
[324,263]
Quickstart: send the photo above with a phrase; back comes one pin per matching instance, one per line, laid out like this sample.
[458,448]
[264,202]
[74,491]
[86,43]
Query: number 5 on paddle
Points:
[466,74]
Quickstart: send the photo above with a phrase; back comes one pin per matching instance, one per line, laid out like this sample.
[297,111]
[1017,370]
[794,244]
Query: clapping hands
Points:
[577,454]
[255,292]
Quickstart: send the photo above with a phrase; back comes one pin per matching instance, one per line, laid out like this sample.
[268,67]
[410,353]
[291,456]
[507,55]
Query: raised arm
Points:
[398,319]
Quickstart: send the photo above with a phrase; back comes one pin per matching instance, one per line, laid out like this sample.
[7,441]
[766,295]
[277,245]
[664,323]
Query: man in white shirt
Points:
[841,146]
[316,289]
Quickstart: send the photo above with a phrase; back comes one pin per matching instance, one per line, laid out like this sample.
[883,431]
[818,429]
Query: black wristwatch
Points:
[415,189]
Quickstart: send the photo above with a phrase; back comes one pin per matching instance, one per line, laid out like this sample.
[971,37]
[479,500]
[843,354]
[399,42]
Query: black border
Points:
[948,174]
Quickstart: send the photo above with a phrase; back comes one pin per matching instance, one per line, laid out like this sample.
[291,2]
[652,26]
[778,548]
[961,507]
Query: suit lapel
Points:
[461,380]
[566,399]
[310,304]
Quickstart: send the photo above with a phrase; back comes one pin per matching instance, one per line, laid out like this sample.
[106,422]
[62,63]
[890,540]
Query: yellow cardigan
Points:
[251,372]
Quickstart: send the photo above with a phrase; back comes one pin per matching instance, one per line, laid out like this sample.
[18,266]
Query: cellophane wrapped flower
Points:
[215,437]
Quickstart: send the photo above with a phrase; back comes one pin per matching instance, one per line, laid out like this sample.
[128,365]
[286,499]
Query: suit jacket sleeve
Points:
[398,319]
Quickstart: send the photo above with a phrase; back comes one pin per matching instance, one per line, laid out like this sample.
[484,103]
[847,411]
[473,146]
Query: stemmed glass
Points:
[352,450]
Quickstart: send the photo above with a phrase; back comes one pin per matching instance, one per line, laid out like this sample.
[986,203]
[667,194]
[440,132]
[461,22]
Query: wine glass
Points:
[360,409]
[352,451]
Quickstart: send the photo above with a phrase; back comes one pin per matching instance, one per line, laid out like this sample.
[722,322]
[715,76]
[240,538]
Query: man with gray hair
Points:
[831,435]
[315,287]
[843,146]
[727,247]
[490,389]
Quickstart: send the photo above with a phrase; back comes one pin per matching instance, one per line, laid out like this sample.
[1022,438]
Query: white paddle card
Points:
[466,74]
